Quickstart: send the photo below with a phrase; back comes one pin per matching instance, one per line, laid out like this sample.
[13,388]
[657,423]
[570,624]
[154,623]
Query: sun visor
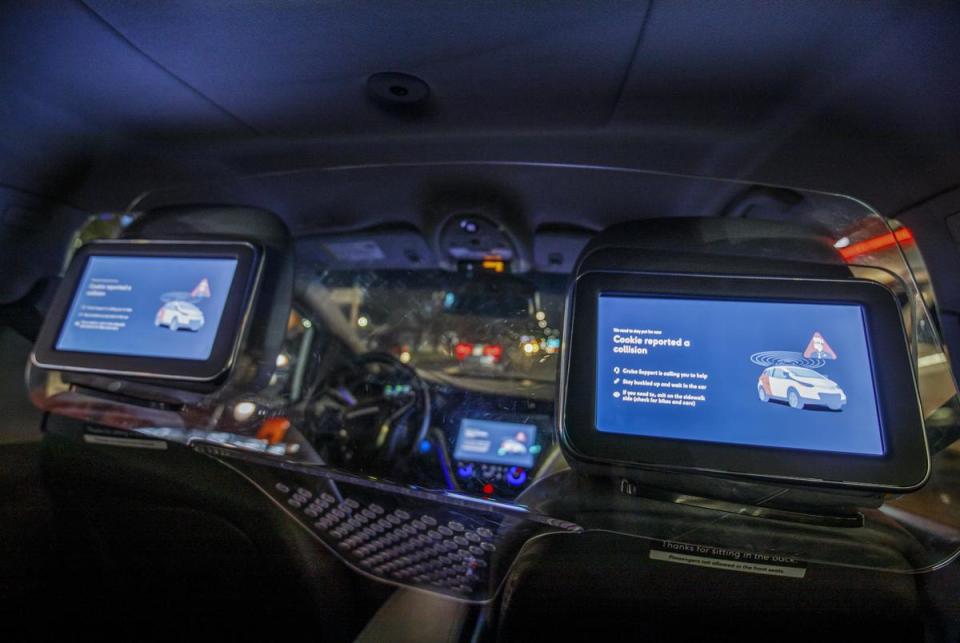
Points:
[397,248]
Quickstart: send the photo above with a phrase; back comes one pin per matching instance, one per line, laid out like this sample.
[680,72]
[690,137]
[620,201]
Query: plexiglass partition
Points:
[394,364]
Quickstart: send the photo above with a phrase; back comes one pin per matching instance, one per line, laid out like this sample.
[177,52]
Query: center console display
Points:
[497,445]
[505,443]
[790,380]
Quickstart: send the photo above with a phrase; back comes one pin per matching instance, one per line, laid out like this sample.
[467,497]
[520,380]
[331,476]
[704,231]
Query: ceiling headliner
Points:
[105,99]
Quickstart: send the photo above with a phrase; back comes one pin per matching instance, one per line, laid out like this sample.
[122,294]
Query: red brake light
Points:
[463,350]
[493,350]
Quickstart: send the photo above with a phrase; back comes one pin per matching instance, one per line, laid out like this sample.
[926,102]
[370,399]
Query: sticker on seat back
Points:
[728,559]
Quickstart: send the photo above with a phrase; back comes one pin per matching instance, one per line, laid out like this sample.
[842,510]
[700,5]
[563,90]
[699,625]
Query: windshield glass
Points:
[452,324]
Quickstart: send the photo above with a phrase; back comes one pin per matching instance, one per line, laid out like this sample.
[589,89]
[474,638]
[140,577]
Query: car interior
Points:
[480,322]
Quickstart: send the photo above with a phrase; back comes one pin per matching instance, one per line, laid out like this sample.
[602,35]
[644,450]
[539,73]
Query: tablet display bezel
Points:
[905,464]
[226,345]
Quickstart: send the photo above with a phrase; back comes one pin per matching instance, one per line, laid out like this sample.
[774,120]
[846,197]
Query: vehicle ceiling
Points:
[105,98]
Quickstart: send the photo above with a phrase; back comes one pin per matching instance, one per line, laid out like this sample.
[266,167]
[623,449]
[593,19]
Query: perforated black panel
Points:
[453,545]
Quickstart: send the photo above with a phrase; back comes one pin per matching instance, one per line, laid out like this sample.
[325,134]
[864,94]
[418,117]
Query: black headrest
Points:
[714,245]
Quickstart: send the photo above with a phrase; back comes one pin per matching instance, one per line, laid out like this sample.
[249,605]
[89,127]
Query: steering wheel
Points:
[384,408]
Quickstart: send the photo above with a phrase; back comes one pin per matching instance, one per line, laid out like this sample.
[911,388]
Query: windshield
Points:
[451,324]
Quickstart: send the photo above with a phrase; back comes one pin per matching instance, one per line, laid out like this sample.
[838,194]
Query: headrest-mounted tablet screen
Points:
[801,380]
[109,310]
[728,370]
[151,309]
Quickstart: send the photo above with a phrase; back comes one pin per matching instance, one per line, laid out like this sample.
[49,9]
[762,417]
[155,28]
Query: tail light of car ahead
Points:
[494,352]
[463,350]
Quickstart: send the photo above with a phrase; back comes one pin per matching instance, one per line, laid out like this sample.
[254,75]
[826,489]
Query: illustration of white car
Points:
[800,387]
[179,314]
[511,446]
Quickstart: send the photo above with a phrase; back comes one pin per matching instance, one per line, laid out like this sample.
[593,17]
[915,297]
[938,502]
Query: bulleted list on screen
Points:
[631,385]
[103,317]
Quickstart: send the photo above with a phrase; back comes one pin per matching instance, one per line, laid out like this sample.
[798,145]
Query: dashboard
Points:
[390,421]
[421,378]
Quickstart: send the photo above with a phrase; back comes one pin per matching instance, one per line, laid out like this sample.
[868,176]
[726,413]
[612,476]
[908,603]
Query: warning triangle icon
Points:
[202,289]
[819,348]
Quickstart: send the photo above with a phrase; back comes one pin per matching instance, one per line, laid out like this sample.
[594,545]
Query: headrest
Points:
[714,244]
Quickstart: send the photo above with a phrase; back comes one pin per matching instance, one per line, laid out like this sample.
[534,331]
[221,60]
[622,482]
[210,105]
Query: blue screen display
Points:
[148,307]
[506,443]
[771,374]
